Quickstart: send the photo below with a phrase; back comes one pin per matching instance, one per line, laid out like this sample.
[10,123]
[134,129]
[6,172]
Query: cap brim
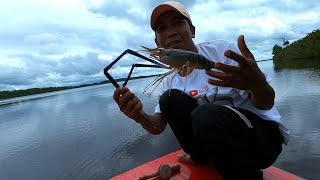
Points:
[160,10]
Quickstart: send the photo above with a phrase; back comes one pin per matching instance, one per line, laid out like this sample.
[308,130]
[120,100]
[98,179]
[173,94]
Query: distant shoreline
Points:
[307,47]
[33,91]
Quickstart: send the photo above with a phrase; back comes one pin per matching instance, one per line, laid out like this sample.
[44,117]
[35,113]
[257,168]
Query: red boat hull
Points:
[192,172]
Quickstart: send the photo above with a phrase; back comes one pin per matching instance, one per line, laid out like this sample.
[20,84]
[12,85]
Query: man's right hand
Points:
[131,106]
[128,102]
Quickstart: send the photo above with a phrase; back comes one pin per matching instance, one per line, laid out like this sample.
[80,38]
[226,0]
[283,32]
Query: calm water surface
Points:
[81,134]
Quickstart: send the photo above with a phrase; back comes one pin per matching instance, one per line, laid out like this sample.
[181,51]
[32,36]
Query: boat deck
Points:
[192,172]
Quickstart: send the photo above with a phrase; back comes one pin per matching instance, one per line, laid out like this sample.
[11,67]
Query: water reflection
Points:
[299,108]
[297,64]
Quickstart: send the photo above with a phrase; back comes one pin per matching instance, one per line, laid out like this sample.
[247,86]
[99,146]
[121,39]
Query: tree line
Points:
[307,47]
[33,91]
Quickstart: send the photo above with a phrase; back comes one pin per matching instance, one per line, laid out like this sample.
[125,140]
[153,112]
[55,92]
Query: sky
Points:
[51,43]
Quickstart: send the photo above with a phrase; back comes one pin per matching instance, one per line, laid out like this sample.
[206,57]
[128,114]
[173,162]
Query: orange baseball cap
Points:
[165,7]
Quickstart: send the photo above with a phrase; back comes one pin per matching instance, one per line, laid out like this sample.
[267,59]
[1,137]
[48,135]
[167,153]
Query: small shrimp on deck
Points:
[178,60]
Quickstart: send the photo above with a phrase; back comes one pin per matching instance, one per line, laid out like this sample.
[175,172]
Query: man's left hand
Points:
[246,76]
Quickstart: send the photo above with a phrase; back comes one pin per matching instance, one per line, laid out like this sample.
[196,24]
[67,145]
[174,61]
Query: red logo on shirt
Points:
[193,93]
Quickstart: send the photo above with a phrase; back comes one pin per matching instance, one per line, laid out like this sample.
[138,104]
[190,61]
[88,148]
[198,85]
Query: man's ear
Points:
[156,41]
[193,31]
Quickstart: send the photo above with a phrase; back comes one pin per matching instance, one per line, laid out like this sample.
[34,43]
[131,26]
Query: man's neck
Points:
[194,48]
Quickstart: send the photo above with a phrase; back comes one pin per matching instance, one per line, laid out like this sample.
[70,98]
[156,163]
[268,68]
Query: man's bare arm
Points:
[154,124]
[263,97]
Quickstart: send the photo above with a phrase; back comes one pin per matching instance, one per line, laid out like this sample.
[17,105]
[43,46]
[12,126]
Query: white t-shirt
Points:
[196,85]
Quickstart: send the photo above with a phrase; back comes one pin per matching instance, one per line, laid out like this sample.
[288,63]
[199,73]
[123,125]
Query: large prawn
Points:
[178,61]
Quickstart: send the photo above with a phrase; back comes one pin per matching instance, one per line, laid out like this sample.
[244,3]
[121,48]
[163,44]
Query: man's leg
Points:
[176,108]
[232,146]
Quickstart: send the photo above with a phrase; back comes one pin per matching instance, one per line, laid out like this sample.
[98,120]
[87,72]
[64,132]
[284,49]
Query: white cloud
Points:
[69,42]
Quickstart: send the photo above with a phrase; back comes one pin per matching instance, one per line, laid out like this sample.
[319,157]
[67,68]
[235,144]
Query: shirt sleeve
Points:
[157,109]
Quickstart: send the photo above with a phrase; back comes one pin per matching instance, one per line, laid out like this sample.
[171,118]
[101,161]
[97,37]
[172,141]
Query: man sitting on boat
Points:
[224,116]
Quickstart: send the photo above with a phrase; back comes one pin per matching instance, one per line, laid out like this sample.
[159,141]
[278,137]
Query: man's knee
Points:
[169,99]
[206,116]
[176,100]
[208,112]
[169,95]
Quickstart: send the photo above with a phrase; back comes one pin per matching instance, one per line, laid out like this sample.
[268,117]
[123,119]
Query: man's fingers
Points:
[116,95]
[119,92]
[226,68]
[244,48]
[125,98]
[235,56]
[219,75]
[135,111]
[225,83]
[131,104]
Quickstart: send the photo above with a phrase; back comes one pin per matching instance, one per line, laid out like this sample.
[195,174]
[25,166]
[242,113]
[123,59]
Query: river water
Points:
[81,134]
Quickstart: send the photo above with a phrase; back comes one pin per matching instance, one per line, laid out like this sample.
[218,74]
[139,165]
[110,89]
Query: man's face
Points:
[173,31]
